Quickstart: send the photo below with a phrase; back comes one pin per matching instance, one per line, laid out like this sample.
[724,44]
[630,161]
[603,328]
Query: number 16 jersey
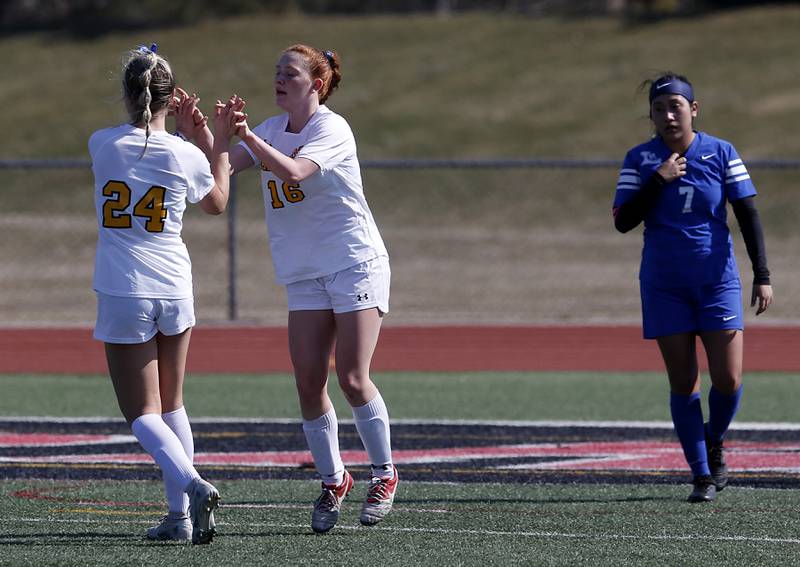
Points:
[323,224]
[686,236]
[140,200]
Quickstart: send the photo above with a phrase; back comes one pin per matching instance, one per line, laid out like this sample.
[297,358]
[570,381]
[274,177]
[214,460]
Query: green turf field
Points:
[476,395]
[265,522]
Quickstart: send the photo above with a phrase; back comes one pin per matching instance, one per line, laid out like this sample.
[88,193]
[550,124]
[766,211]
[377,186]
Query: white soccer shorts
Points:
[132,320]
[363,286]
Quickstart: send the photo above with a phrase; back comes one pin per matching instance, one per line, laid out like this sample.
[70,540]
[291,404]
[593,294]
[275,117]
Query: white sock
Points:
[178,422]
[165,448]
[372,423]
[322,436]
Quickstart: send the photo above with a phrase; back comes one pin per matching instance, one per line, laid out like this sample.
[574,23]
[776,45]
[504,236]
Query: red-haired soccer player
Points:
[328,252]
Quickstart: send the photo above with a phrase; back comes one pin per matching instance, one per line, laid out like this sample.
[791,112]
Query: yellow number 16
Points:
[150,206]
[291,193]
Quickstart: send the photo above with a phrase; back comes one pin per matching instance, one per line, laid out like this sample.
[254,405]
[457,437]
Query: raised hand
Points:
[236,103]
[223,121]
[189,119]
[238,118]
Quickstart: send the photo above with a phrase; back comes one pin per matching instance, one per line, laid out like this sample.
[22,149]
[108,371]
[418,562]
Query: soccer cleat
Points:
[327,506]
[704,489]
[716,463]
[203,500]
[380,496]
[173,527]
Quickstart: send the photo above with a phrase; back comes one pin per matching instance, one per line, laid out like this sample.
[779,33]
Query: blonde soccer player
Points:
[143,178]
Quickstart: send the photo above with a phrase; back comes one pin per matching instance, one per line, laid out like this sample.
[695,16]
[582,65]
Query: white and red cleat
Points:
[380,497]
[327,506]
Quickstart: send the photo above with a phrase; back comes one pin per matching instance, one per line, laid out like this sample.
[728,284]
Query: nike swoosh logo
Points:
[664,85]
[707,156]
[728,318]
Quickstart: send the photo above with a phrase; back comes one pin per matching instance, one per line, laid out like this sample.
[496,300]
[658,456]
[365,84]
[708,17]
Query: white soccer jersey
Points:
[323,224]
[140,200]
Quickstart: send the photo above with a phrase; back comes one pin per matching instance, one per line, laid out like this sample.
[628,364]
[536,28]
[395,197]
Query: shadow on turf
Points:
[71,539]
[421,501]
[405,501]
[296,532]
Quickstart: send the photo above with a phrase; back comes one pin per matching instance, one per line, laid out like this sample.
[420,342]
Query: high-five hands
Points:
[189,119]
[237,116]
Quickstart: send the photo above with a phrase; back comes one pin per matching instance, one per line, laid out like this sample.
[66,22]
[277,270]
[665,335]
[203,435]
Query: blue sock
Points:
[721,409]
[687,416]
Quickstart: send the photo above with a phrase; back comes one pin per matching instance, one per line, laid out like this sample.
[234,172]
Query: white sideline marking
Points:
[741,426]
[553,535]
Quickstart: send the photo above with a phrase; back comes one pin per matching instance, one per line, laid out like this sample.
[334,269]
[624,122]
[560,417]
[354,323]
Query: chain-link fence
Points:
[502,241]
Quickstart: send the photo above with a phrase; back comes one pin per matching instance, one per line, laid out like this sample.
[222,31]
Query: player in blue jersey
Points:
[679,183]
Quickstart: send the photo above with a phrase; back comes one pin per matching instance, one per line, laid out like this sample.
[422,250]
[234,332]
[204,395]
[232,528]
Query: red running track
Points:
[454,348]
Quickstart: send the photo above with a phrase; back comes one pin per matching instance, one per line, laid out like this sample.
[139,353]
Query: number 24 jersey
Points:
[140,199]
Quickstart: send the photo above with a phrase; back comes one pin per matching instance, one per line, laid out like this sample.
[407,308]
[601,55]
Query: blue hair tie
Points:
[152,49]
[671,85]
[329,56]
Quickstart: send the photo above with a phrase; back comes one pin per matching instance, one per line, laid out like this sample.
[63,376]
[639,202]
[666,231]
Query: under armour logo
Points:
[364,297]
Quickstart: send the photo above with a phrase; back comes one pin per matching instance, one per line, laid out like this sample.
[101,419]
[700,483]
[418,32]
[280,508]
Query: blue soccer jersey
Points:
[686,236]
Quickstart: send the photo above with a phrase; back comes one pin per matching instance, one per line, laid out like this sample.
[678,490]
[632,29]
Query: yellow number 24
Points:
[150,206]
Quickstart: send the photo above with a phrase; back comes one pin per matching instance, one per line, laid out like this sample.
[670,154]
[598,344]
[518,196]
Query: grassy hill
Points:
[513,246]
[473,85]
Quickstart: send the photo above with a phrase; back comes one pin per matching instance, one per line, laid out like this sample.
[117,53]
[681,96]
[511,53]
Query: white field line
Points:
[443,531]
[741,426]
[305,507]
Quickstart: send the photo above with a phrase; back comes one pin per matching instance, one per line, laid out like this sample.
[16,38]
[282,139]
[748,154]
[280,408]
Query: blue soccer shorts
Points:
[670,310]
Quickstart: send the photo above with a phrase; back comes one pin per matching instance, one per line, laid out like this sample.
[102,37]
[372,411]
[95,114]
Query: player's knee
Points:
[309,369]
[682,383]
[353,384]
[727,383]
[310,386]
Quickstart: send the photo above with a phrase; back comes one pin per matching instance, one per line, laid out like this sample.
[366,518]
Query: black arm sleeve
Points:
[750,225]
[632,212]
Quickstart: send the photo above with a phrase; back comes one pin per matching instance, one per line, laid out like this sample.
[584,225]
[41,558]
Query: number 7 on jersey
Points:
[688,191]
